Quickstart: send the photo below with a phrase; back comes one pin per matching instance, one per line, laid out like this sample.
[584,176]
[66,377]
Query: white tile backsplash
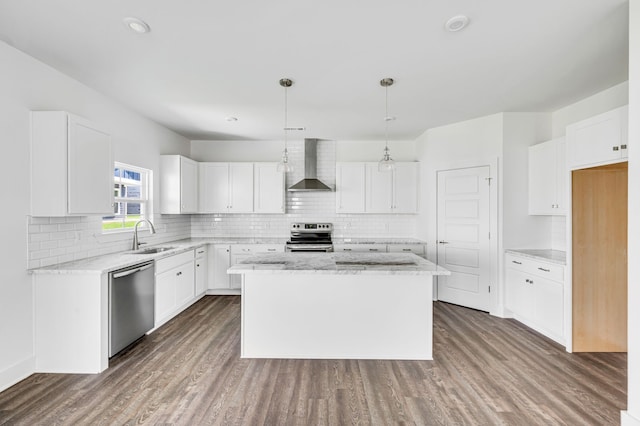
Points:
[559,233]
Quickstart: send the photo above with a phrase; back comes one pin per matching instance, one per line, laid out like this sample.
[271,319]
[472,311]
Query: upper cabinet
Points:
[547,171]
[226,187]
[71,166]
[350,187]
[178,185]
[268,188]
[598,140]
[361,188]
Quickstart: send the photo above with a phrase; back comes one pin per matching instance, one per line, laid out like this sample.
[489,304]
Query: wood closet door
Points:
[600,259]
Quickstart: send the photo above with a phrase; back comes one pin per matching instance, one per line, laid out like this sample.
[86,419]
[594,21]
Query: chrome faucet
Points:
[136,243]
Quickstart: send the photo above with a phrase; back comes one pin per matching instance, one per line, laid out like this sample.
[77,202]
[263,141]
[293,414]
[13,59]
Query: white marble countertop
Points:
[337,263]
[112,262]
[552,256]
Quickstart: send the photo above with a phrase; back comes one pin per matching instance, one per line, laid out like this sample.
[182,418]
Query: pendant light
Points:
[386,164]
[284,165]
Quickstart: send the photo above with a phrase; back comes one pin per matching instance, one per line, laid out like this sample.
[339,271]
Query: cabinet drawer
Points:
[360,248]
[546,270]
[407,248]
[171,262]
[201,252]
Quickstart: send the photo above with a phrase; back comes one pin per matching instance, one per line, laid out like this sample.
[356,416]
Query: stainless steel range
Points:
[310,237]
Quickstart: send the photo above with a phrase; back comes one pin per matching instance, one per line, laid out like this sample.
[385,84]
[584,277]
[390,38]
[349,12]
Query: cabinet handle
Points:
[406,249]
[271,249]
[623,146]
[615,148]
[516,262]
[198,265]
[545,270]
[200,252]
[443,242]
[527,280]
[346,249]
[373,250]
[178,274]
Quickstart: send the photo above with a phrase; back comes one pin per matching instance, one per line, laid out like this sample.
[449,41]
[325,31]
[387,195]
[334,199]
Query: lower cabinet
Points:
[535,294]
[419,249]
[201,267]
[175,285]
[225,255]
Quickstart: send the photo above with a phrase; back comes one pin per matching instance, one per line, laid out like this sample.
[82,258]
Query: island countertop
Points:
[337,263]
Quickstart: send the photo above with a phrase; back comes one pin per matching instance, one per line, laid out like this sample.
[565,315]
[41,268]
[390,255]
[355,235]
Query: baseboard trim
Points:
[17,372]
[628,420]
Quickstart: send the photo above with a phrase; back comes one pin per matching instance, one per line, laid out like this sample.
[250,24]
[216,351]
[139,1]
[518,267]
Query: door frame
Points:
[496,297]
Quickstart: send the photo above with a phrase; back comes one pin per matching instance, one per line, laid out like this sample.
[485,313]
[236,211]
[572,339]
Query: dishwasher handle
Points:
[132,271]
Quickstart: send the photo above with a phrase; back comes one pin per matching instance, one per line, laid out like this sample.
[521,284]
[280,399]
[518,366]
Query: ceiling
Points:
[204,60]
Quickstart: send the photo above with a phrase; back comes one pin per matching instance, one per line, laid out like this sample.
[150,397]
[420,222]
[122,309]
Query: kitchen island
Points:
[337,306]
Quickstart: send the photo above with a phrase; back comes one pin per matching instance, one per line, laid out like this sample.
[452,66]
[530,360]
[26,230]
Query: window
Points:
[131,198]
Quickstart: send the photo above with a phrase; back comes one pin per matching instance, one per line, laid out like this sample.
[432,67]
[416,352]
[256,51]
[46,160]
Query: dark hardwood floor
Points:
[486,371]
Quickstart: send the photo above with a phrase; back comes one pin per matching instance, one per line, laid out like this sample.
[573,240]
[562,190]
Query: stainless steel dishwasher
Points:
[131,305]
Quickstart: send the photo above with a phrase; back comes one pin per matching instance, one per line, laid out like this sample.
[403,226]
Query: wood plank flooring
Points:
[486,371]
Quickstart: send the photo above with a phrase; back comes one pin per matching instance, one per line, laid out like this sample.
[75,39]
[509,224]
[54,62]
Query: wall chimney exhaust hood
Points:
[310,181]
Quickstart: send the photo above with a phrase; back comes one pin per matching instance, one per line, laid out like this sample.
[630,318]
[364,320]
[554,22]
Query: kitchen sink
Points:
[151,250]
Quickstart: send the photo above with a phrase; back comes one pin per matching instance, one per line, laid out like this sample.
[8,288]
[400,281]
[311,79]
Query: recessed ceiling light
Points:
[231,119]
[456,23]
[137,25]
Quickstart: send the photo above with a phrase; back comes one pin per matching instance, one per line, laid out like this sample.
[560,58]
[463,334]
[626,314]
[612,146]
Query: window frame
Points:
[144,199]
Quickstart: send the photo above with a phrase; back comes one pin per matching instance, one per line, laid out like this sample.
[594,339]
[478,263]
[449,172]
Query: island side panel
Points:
[324,316]
[71,323]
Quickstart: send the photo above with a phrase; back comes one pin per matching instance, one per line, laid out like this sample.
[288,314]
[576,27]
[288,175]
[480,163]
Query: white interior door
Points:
[463,236]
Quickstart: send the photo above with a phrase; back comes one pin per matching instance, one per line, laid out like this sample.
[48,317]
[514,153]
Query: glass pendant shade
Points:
[386,164]
[284,166]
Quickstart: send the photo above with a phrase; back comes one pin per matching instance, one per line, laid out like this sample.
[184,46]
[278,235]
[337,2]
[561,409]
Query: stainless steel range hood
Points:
[310,181]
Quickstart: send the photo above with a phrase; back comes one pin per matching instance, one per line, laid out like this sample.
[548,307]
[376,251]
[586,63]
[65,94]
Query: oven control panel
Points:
[326,227]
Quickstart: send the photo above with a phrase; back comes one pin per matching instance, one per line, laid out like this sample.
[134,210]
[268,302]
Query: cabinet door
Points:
[379,192]
[185,284]
[90,170]
[188,185]
[597,140]
[549,305]
[201,266]
[241,187]
[165,302]
[350,187]
[542,178]
[561,176]
[213,187]
[519,293]
[219,265]
[405,188]
[268,188]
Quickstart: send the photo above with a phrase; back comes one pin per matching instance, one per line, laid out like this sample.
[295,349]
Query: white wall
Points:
[632,417]
[27,84]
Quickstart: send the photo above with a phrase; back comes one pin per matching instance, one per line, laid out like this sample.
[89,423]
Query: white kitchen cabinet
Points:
[418,249]
[268,188]
[535,294]
[175,285]
[547,172]
[598,140]
[360,248]
[226,187]
[240,252]
[201,270]
[71,166]
[392,192]
[219,261]
[361,188]
[178,185]
[350,187]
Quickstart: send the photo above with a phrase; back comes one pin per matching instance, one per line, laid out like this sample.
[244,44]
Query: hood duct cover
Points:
[310,181]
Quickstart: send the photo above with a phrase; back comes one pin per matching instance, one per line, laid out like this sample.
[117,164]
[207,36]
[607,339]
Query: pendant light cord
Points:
[285,119]
[386,117]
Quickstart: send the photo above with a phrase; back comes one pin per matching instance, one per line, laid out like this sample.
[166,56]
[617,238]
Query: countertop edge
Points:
[547,255]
